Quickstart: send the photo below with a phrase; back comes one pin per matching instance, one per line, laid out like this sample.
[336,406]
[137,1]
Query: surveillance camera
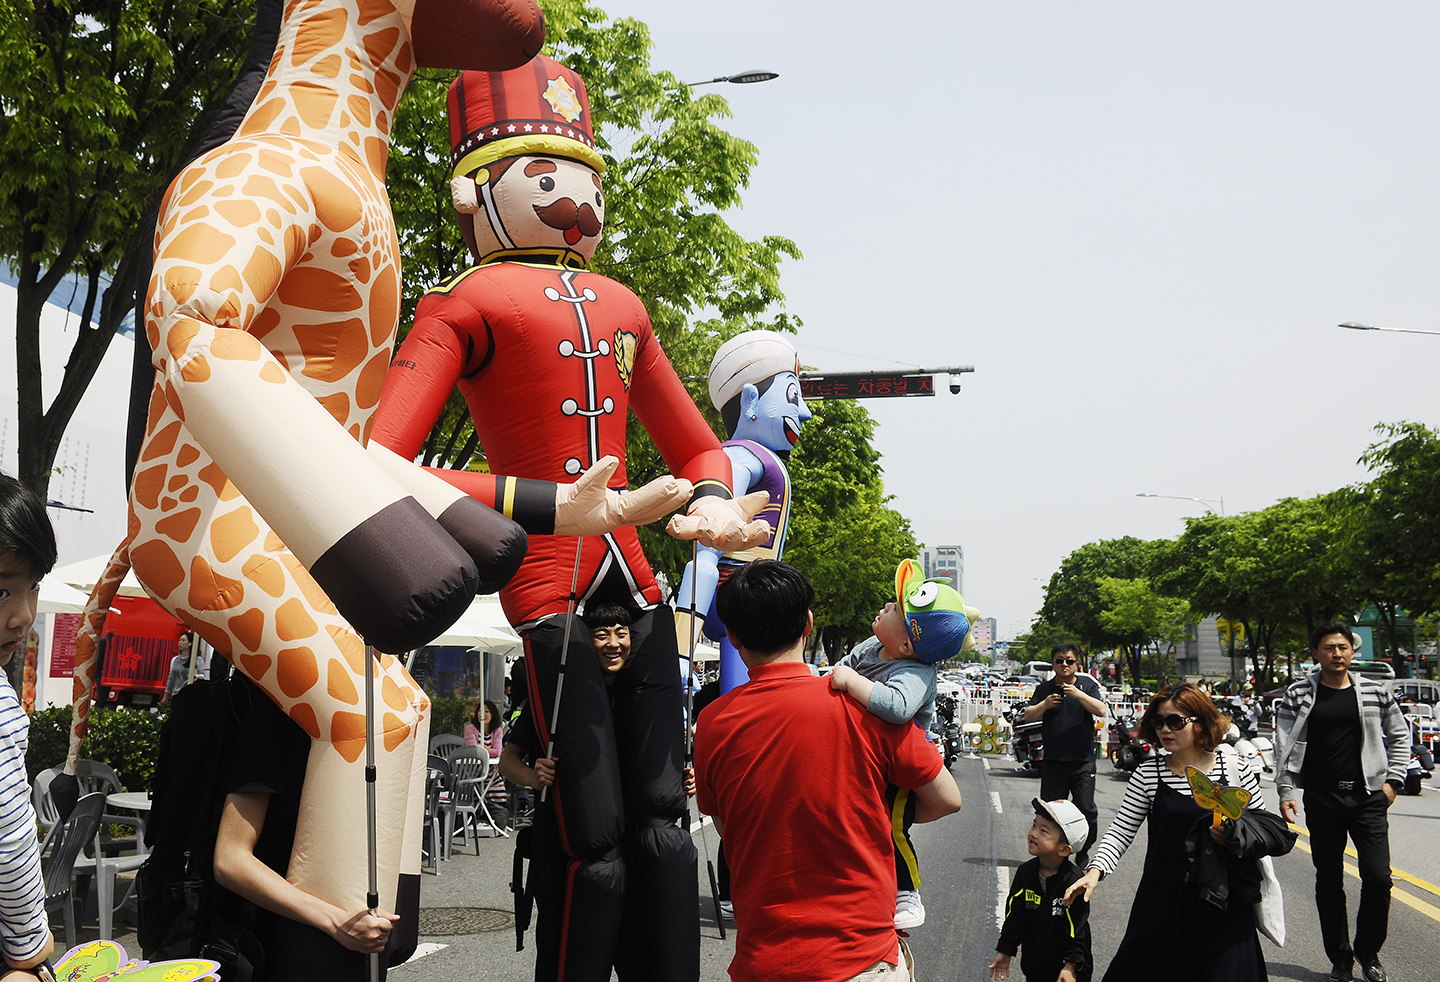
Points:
[954,388]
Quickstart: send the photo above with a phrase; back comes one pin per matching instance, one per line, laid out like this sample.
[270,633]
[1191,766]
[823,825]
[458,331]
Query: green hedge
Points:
[129,739]
[448,715]
[126,739]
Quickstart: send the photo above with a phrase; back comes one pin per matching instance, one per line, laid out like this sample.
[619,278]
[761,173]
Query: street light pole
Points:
[1350,325]
[1205,502]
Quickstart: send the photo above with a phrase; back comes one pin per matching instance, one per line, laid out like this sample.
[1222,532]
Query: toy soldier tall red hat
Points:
[540,108]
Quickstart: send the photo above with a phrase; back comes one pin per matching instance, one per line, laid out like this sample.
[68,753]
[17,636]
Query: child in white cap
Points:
[1055,938]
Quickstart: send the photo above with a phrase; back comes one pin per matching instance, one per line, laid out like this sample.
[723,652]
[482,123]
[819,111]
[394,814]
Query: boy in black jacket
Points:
[1056,938]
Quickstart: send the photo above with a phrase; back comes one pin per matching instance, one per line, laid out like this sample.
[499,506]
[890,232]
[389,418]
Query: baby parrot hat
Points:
[936,616]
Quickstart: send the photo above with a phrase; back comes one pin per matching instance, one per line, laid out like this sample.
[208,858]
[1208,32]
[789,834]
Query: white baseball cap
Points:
[1072,822]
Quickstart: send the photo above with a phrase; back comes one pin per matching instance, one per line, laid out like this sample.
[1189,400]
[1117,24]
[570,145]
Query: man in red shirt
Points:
[792,771]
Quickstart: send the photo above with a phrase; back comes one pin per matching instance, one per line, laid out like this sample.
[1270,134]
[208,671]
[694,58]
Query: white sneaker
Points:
[727,910]
[909,911]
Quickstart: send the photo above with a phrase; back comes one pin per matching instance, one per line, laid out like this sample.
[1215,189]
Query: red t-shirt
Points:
[796,774]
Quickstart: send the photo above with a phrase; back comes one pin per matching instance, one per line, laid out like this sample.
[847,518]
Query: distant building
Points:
[945,562]
[986,631]
[1204,652]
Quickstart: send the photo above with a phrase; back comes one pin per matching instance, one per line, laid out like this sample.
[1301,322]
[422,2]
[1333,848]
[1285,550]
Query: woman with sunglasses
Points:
[1185,722]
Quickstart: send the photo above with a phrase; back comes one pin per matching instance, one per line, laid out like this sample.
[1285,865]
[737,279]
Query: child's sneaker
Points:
[909,911]
[727,910]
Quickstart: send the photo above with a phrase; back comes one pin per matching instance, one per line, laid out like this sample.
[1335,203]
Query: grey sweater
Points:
[1385,736]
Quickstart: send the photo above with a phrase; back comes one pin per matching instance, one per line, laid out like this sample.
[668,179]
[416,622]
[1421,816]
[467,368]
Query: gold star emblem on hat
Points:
[563,99]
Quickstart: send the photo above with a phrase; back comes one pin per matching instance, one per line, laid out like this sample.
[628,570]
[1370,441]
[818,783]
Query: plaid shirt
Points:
[1385,736]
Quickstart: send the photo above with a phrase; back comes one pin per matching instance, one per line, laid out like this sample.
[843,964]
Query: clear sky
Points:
[1140,222]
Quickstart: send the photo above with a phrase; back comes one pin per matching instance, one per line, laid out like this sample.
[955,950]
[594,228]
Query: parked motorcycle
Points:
[1258,751]
[1027,742]
[947,726]
[1422,762]
[1125,747]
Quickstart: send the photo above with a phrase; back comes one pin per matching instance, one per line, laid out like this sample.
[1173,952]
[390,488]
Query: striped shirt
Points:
[23,926]
[1140,795]
[1384,733]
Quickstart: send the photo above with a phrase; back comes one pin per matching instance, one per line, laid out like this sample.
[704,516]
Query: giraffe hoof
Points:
[398,577]
[494,542]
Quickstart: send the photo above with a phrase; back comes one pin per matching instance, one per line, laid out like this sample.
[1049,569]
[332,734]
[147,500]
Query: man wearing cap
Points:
[549,358]
[755,384]
[1069,704]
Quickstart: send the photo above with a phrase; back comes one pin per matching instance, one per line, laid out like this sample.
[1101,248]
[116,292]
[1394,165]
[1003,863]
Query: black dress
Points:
[1170,927]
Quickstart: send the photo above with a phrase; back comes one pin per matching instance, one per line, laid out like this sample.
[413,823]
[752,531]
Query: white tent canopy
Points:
[87,572]
[483,626]
[58,597]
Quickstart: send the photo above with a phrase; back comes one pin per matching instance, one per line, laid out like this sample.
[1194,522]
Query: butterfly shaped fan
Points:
[100,961]
[1226,802]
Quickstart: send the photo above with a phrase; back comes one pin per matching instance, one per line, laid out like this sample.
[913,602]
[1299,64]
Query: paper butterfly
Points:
[1229,802]
[98,961]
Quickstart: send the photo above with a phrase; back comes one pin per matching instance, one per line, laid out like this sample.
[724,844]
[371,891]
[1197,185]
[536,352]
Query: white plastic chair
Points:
[444,744]
[64,842]
[470,767]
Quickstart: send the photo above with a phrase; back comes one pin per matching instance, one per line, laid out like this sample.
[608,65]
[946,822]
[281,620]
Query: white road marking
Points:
[1001,885]
[421,950]
[995,801]
[986,762]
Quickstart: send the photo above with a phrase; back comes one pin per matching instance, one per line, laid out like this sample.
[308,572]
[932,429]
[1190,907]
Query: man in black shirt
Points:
[1069,704]
[1342,739]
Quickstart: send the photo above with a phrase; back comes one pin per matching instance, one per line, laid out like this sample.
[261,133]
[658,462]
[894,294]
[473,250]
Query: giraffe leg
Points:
[496,544]
[239,587]
[331,503]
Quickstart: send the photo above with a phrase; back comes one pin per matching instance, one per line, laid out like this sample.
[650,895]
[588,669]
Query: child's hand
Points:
[842,677]
[1000,967]
[690,781]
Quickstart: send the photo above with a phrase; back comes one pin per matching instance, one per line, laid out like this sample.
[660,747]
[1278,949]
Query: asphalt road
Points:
[960,856]
[966,860]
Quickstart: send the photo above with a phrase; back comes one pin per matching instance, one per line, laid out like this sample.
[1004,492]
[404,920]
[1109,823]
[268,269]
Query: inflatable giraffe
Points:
[256,509]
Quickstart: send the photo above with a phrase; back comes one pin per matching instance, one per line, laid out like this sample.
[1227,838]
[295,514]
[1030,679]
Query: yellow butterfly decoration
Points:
[100,961]
[1225,801]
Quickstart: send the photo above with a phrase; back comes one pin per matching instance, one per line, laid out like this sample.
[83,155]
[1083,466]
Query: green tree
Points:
[1042,639]
[1279,571]
[1072,597]
[98,103]
[1398,529]
[1147,622]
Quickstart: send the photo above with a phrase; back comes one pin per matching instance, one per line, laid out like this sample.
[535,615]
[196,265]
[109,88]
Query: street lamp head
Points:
[743,78]
[1359,327]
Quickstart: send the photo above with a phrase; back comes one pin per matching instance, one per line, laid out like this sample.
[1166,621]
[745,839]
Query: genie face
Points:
[773,418]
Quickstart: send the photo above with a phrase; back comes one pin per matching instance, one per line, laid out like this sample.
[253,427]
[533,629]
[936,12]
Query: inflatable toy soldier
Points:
[549,358]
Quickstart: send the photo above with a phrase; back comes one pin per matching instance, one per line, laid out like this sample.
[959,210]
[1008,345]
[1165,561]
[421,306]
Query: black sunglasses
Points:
[1172,722]
[1065,661]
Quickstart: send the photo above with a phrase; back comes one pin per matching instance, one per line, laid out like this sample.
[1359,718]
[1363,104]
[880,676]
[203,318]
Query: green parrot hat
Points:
[935,614]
